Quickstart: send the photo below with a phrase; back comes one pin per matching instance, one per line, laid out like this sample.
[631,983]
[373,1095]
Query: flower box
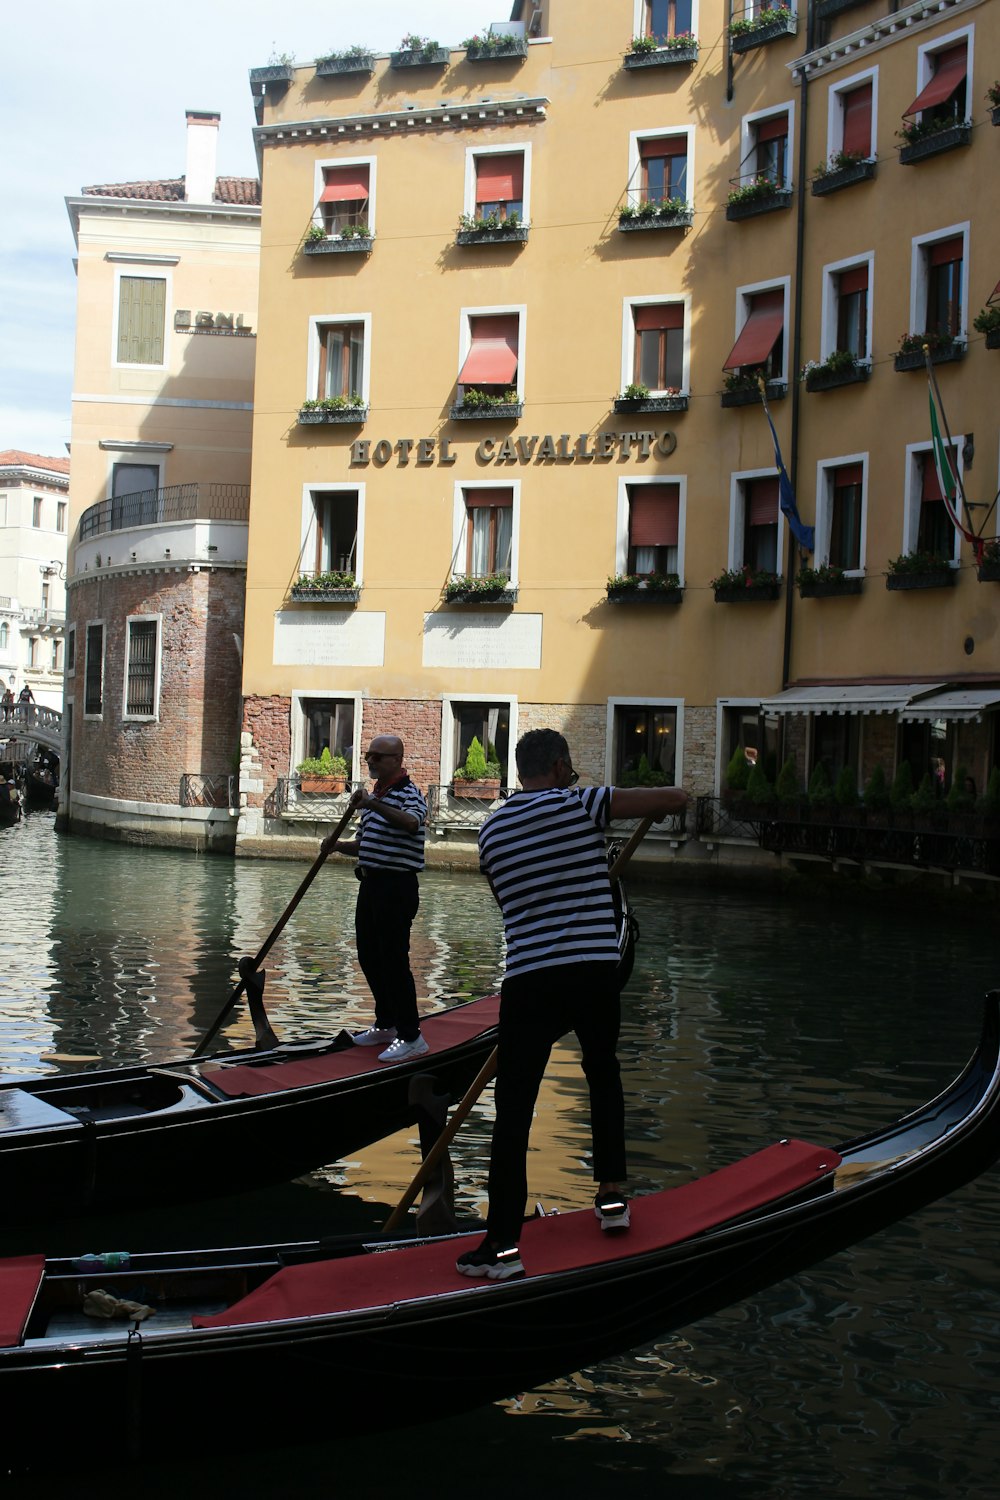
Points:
[457,595]
[830,588]
[750,395]
[741,593]
[273,73]
[516,236]
[941,578]
[995,114]
[484,790]
[644,596]
[683,219]
[825,9]
[913,359]
[662,57]
[303,595]
[749,208]
[504,411]
[989,570]
[357,244]
[993,339]
[828,380]
[651,403]
[314,416]
[933,145]
[768,31]
[500,48]
[832,182]
[428,57]
[329,67]
[328,786]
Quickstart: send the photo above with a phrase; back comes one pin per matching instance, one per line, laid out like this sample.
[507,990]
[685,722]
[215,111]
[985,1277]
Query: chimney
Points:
[202,143]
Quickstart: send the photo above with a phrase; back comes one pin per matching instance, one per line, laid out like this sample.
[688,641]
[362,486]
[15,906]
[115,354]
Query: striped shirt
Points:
[545,857]
[383,846]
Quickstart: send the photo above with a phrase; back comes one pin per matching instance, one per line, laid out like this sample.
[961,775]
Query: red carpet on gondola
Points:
[440,1031]
[561,1242]
[20,1278]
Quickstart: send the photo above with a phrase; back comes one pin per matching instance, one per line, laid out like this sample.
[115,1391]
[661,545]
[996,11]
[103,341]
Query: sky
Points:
[98,95]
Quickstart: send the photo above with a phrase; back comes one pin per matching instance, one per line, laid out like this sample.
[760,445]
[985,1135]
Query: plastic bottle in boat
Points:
[110,1260]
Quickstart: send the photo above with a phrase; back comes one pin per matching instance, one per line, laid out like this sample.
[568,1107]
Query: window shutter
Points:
[492,359]
[663,145]
[658,315]
[477,498]
[929,488]
[654,511]
[858,119]
[950,67]
[500,179]
[344,184]
[152,306]
[762,502]
[943,252]
[853,280]
[847,475]
[773,128]
[759,333]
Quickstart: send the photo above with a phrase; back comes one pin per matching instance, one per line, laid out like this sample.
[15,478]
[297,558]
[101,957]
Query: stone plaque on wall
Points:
[482,640]
[329,639]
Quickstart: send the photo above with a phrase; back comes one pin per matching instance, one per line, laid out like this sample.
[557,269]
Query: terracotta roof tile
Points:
[16,458]
[237,190]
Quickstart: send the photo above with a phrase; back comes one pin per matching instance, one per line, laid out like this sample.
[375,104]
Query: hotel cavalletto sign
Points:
[521,450]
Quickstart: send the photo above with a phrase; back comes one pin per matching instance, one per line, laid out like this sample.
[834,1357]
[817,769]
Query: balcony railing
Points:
[177,502]
[43,617]
[209,791]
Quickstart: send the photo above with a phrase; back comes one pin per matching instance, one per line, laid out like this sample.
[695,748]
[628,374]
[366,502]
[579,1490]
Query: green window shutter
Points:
[141,313]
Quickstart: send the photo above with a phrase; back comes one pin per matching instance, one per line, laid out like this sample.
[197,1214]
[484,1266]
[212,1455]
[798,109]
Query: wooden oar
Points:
[248,966]
[484,1075]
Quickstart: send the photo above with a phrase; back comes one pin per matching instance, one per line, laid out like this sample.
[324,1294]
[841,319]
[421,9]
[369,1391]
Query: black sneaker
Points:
[612,1210]
[496,1262]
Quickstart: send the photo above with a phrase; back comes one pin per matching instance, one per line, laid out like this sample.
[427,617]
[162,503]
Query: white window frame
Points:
[307,546]
[721,705]
[835,111]
[912,489]
[628,338]
[459,523]
[297,752]
[625,484]
[321,320]
[371,162]
[87,625]
[831,301]
[475,153]
[748,139]
[501,310]
[153,717]
[753,289]
[447,766]
[929,50]
[737,505]
[919,278]
[824,509]
[643,701]
[162,273]
[639,21]
[636,137]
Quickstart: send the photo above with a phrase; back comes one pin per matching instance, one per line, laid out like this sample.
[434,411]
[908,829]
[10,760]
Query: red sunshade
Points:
[763,498]
[344,184]
[499,179]
[760,332]
[492,360]
[653,515]
[950,70]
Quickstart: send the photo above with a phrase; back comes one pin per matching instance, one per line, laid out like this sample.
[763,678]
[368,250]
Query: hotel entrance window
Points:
[487,722]
[645,732]
[328,724]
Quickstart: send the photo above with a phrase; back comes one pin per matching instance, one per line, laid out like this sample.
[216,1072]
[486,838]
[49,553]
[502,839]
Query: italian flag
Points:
[946,477]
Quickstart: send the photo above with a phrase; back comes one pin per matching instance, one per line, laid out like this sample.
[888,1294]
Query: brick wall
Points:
[417,722]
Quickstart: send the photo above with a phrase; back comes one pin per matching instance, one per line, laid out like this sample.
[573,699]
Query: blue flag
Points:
[803,534]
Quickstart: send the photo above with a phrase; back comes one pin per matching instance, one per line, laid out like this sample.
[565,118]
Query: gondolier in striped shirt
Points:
[390,852]
[544,855]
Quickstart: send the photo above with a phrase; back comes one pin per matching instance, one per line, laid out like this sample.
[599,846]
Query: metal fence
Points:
[209,791]
[177,502]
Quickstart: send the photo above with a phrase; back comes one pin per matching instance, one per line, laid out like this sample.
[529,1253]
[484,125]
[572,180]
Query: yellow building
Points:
[510,462]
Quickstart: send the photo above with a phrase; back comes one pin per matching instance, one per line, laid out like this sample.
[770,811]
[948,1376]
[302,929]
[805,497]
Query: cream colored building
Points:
[669,238]
[34,519]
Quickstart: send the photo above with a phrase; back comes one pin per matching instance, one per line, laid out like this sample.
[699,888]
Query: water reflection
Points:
[745,1019]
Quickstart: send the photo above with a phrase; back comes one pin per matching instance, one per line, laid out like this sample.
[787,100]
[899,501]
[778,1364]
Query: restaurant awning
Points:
[852,698]
[954,703]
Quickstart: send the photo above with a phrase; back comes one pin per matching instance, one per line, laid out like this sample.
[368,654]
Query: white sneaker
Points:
[399,1050]
[375,1036]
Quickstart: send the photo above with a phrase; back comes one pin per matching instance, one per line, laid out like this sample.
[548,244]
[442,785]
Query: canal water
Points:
[747,1018]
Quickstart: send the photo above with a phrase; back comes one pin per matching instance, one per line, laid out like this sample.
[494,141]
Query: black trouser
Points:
[387,903]
[536,1009]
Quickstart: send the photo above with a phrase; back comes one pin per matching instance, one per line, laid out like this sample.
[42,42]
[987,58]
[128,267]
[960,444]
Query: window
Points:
[328,724]
[929,746]
[60,515]
[935,533]
[71,650]
[93,701]
[36,511]
[770,148]
[644,732]
[944,286]
[657,355]
[760,524]
[335,517]
[488,533]
[745,728]
[33,651]
[4,635]
[850,291]
[856,119]
[344,199]
[134,494]
[492,364]
[843,505]
[760,346]
[653,529]
[836,743]
[499,185]
[142,302]
[663,19]
[140,673]
[488,721]
[45,595]
[341,360]
[944,96]
[56,653]
[663,168]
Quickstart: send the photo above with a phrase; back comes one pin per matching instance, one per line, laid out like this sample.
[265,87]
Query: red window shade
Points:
[858,119]
[848,475]
[929,488]
[474,498]
[759,333]
[772,129]
[661,315]
[943,252]
[344,184]
[663,145]
[492,360]
[854,280]
[762,497]
[499,179]
[950,67]
[654,511]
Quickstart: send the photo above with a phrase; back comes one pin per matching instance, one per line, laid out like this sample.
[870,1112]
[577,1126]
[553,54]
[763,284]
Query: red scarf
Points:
[381,787]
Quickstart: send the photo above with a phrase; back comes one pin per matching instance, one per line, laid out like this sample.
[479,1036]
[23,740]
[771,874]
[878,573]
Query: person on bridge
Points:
[26,695]
[7,702]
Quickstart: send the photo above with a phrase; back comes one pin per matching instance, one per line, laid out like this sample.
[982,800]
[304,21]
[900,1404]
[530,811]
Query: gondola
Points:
[359,1331]
[197,1127]
[40,787]
[10,802]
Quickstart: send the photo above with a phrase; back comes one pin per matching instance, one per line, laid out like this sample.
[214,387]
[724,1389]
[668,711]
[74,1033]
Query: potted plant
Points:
[736,585]
[482,46]
[279,68]
[489,588]
[477,403]
[942,347]
[331,587]
[988,322]
[930,135]
[637,397]
[478,777]
[919,570]
[826,582]
[659,588]
[356,59]
[651,51]
[349,238]
[333,409]
[760,195]
[324,773]
[417,51]
[656,213]
[988,569]
[763,26]
[742,388]
[841,367]
[840,170]
[491,229]
[641,775]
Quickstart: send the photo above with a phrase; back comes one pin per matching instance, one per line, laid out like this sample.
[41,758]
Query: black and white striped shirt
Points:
[544,854]
[383,846]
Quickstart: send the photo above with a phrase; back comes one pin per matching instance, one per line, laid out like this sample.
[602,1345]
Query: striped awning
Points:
[955,703]
[849,698]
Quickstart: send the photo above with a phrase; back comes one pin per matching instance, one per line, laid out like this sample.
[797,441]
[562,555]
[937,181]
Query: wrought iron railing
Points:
[177,502]
[718,818]
[209,791]
[290,801]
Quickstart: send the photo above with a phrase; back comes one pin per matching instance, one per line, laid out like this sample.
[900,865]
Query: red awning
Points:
[500,179]
[950,69]
[653,515]
[492,360]
[344,184]
[760,332]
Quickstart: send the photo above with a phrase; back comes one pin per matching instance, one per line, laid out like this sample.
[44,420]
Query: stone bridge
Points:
[29,722]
